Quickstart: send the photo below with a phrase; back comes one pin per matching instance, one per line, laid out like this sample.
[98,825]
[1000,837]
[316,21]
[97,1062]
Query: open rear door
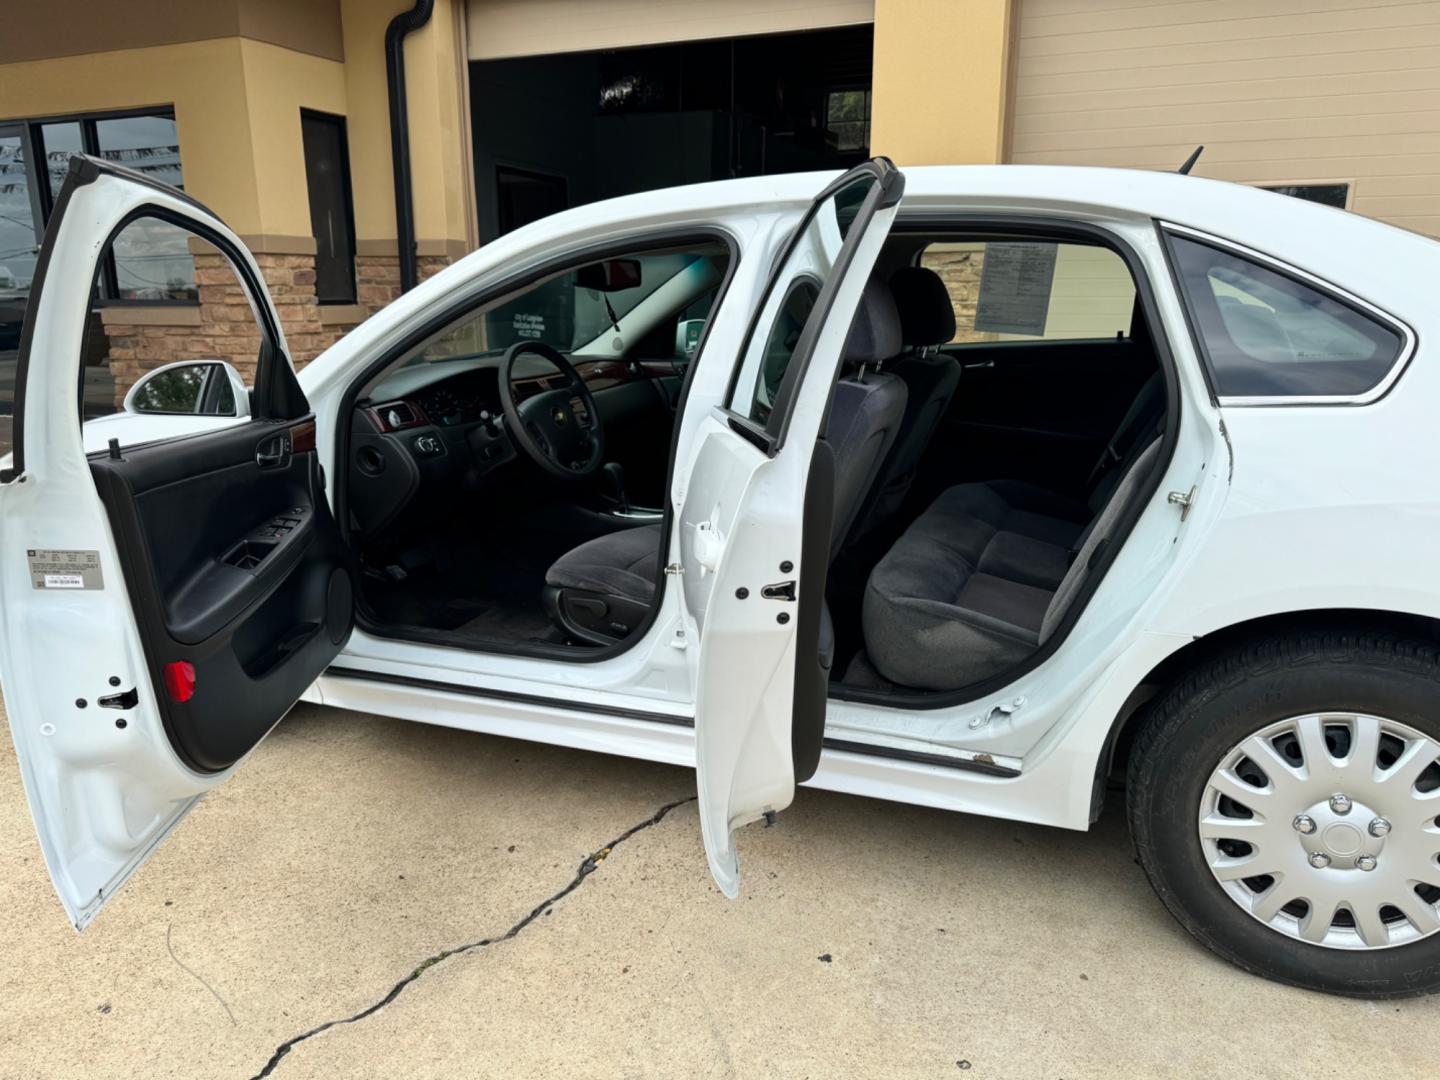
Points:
[755,521]
[162,605]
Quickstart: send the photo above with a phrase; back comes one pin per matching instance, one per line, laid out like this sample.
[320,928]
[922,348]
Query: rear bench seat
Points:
[981,579]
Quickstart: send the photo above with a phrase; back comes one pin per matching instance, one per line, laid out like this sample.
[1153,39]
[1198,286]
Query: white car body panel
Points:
[102,796]
[1275,525]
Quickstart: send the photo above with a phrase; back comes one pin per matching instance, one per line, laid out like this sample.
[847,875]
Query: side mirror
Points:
[687,337]
[190,388]
[612,275]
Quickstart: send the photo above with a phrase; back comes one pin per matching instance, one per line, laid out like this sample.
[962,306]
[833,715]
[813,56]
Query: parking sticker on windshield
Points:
[64,569]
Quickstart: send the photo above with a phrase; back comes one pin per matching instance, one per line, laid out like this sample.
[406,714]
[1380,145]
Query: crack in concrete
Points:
[588,866]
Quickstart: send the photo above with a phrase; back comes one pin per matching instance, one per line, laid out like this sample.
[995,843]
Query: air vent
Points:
[396,415]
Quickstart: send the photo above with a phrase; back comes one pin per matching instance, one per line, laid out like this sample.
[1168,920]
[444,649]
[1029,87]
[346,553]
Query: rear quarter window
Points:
[1266,334]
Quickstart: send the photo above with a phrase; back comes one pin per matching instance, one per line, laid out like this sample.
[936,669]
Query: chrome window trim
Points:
[1408,337]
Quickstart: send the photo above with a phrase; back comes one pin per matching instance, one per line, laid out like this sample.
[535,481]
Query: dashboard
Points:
[425,433]
[466,398]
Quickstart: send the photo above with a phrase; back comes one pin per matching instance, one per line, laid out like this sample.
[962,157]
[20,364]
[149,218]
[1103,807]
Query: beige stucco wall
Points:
[1305,92]
[940,84]
[237,103]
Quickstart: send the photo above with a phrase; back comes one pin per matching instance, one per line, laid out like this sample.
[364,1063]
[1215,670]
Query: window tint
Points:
[1031,290]
[790,306]
[780,345]
[1264,334]
[673,298]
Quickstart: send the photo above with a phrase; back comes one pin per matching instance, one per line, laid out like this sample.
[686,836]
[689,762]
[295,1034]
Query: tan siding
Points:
[1281,91]
[499,28]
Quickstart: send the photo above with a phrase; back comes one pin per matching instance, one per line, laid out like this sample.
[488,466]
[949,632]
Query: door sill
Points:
[963,760]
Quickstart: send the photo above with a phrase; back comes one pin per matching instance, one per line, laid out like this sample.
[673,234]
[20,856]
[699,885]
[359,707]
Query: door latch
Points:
[1005,708]
[781,590]
[1182,499]
[126,699]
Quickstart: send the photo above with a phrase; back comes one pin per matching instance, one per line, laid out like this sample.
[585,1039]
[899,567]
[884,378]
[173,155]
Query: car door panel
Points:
[257,615]
[138,661]
[1034,410]
[754,523]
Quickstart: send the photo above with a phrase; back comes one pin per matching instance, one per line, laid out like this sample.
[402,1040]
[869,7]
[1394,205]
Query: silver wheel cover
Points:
[1326,828]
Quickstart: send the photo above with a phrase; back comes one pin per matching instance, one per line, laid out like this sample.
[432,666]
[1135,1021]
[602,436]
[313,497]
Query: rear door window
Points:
[1265,334]
[1033,290]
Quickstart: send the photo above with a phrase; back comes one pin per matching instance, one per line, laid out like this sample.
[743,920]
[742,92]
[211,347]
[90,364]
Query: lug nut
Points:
[1304,823]
[1379,827]
[1366,862]
[1340,803]
[1319,860]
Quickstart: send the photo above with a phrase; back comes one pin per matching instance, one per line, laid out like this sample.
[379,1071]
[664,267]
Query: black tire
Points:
[1212,708]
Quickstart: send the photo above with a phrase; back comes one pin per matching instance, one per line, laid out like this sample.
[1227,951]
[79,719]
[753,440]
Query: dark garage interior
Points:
[551,132]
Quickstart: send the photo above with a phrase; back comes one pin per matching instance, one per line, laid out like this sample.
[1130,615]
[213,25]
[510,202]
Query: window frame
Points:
[108,294]
[1363,307]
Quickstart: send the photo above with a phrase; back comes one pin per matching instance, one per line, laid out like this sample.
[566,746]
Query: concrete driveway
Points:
[326,883]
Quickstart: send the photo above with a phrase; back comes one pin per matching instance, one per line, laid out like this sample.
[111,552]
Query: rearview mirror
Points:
[190,388]
[612,275]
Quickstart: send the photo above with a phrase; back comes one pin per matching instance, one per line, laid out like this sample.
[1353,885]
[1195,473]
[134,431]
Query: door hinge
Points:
[1182,499]
[674,568]
[1005,708]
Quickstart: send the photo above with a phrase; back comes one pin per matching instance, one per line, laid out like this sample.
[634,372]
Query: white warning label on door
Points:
[64,569]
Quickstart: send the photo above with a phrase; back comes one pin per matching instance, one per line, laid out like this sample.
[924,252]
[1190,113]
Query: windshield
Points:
[565,314]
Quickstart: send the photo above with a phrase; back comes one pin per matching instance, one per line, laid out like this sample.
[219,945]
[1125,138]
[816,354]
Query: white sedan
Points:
[966,487]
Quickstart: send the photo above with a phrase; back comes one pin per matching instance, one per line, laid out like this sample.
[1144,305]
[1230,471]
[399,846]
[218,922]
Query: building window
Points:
[847,119]
[155,266]
[332,218]
[1335,195]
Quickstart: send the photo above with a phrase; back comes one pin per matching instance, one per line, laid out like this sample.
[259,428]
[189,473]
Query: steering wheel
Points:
[547,425]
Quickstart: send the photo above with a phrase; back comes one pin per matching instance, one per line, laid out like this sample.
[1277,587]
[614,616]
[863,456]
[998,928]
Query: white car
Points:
[1164,502]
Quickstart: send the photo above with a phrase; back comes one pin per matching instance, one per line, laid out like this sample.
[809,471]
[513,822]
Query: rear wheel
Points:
[1285,803]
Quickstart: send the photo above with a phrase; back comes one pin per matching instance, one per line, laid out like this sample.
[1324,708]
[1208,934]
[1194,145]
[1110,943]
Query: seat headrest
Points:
[927,317]
[875,333]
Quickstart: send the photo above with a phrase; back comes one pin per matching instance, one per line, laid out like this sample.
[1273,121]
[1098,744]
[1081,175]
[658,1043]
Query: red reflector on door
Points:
[180,680]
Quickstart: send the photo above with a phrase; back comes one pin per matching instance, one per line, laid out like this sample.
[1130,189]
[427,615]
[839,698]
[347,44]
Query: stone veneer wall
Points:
[959,267]
[226,328]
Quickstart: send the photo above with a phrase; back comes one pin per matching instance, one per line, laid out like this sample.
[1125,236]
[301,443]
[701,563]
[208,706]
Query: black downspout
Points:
[395,34]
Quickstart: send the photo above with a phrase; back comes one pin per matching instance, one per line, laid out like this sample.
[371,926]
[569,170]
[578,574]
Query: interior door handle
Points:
[977,365]
[273,452]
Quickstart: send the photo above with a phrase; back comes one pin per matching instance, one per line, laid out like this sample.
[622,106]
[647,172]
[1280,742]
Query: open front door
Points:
[162,604]
[755,521]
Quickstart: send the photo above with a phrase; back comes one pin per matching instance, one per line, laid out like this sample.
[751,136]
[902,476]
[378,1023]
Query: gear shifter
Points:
[614,481]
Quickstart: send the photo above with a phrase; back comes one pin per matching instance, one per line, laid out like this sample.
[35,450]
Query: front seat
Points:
[600,591]
[927,321]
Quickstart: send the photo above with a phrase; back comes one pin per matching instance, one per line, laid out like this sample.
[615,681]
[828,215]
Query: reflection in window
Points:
[153,263]
[59,142]
[847,119]
[1268,335]
[327,178]
[1325,194]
